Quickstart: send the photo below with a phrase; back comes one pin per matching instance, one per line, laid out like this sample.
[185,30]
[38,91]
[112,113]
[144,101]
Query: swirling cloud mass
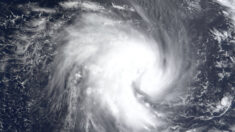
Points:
[111,72]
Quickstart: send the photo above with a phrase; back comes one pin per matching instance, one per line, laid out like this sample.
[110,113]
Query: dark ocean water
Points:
[31,35]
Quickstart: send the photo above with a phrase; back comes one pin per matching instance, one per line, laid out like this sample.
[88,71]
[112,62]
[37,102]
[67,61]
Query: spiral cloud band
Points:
[108,73]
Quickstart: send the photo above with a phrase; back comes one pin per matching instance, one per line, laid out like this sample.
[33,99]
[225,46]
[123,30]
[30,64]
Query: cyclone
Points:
[117,66]
[110,73]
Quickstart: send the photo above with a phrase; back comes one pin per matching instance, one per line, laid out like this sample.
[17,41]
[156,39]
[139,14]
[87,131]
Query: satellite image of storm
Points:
[117,65]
